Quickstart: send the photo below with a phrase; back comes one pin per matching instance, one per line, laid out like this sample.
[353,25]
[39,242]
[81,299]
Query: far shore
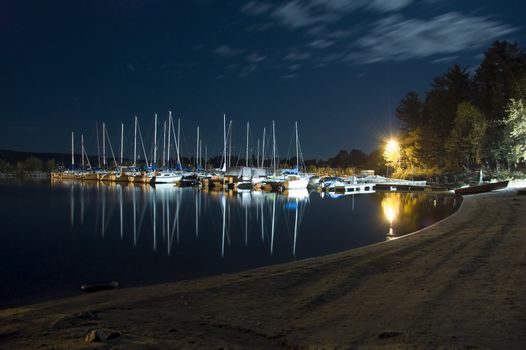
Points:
[456,284]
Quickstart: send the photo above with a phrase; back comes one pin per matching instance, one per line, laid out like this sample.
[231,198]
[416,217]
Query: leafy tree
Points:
[515,122]
[499,78]
[31,164]
[464,142]
[440,109]
[357,158]
[50,165]
[376,161]
[4,166]
[411,150]
[393,155]
[342,159]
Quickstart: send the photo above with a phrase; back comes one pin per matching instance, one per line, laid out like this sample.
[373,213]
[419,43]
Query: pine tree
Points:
[499,78]
[409,112]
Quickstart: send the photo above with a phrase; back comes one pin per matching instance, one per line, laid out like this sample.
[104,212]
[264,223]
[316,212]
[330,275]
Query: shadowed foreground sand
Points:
[458,284]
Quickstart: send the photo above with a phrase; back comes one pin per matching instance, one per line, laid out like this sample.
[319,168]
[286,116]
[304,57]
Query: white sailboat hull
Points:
[167,178]
[295,184]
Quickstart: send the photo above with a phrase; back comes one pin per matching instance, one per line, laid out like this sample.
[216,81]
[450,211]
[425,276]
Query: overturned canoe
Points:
[485,187]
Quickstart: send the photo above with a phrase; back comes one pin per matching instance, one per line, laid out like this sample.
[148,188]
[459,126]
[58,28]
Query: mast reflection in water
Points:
[57,236]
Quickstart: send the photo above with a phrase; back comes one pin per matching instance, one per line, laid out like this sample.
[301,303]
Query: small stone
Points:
[94,336]
[389,334]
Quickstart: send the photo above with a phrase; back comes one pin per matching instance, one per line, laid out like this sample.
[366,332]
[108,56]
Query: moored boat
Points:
[484,187]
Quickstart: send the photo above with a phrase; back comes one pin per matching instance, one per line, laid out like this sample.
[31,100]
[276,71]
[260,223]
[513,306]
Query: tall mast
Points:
[164,143]
[104,144]
[297,149]
[201,152]
[206,155]
[263,149]
[72,150]
[197,151]
[246,158]
[122,142]
[82,149]
[230,143]
[274,148]
[224,138]
[169,133]
[179,140]
[176,139]
[155,139]
[257,158]
[98,142]
[135,144]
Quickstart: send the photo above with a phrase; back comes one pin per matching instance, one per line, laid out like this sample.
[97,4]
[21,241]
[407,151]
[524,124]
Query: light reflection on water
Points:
[57,236]
[155,213]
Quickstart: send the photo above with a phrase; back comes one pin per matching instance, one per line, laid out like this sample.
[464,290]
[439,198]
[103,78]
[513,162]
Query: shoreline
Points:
[456,283]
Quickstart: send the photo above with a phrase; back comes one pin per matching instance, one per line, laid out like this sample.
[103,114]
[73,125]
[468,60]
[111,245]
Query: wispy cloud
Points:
[397,39]
[331,36]
[444,59]
[256,8]
[297,56]
[388,5]
[247,70]
[320,43]
[304,13]
[255,57]
[225,50]
[294,15]
[294,66]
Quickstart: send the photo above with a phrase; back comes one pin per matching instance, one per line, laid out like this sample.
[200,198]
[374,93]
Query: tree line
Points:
[463,122]
[466,121]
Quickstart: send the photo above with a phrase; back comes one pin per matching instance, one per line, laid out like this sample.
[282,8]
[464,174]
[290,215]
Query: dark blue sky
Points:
[337,67]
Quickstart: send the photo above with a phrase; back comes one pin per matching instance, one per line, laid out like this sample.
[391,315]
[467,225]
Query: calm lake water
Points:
[56,236]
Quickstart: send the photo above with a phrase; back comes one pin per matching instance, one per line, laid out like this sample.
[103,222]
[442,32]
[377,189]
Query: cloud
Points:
[388,6]
[255,58]
[225,50]
[294,15]
[297,14]
[297,56]
[397,39]
[340,5]
[294,66]
[256,8]
[320,43]
[247,70]
[444,59]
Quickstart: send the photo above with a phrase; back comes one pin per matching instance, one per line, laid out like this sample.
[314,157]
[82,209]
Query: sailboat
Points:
[123,173]
[134,174]
[292,178]
[68,174]
[167,175]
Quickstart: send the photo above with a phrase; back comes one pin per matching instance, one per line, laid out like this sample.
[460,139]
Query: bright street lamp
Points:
[392,153]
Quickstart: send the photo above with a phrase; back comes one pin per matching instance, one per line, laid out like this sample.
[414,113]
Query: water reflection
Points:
[391,208]
[58,235]
[158,214]
[413,211]
[161,215]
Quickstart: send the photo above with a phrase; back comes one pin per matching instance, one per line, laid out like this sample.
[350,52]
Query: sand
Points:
[460,283]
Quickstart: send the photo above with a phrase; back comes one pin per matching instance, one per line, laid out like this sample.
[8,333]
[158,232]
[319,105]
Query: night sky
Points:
[337,67]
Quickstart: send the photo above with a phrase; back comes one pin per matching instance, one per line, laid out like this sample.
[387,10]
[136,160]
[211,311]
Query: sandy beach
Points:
[457,284]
